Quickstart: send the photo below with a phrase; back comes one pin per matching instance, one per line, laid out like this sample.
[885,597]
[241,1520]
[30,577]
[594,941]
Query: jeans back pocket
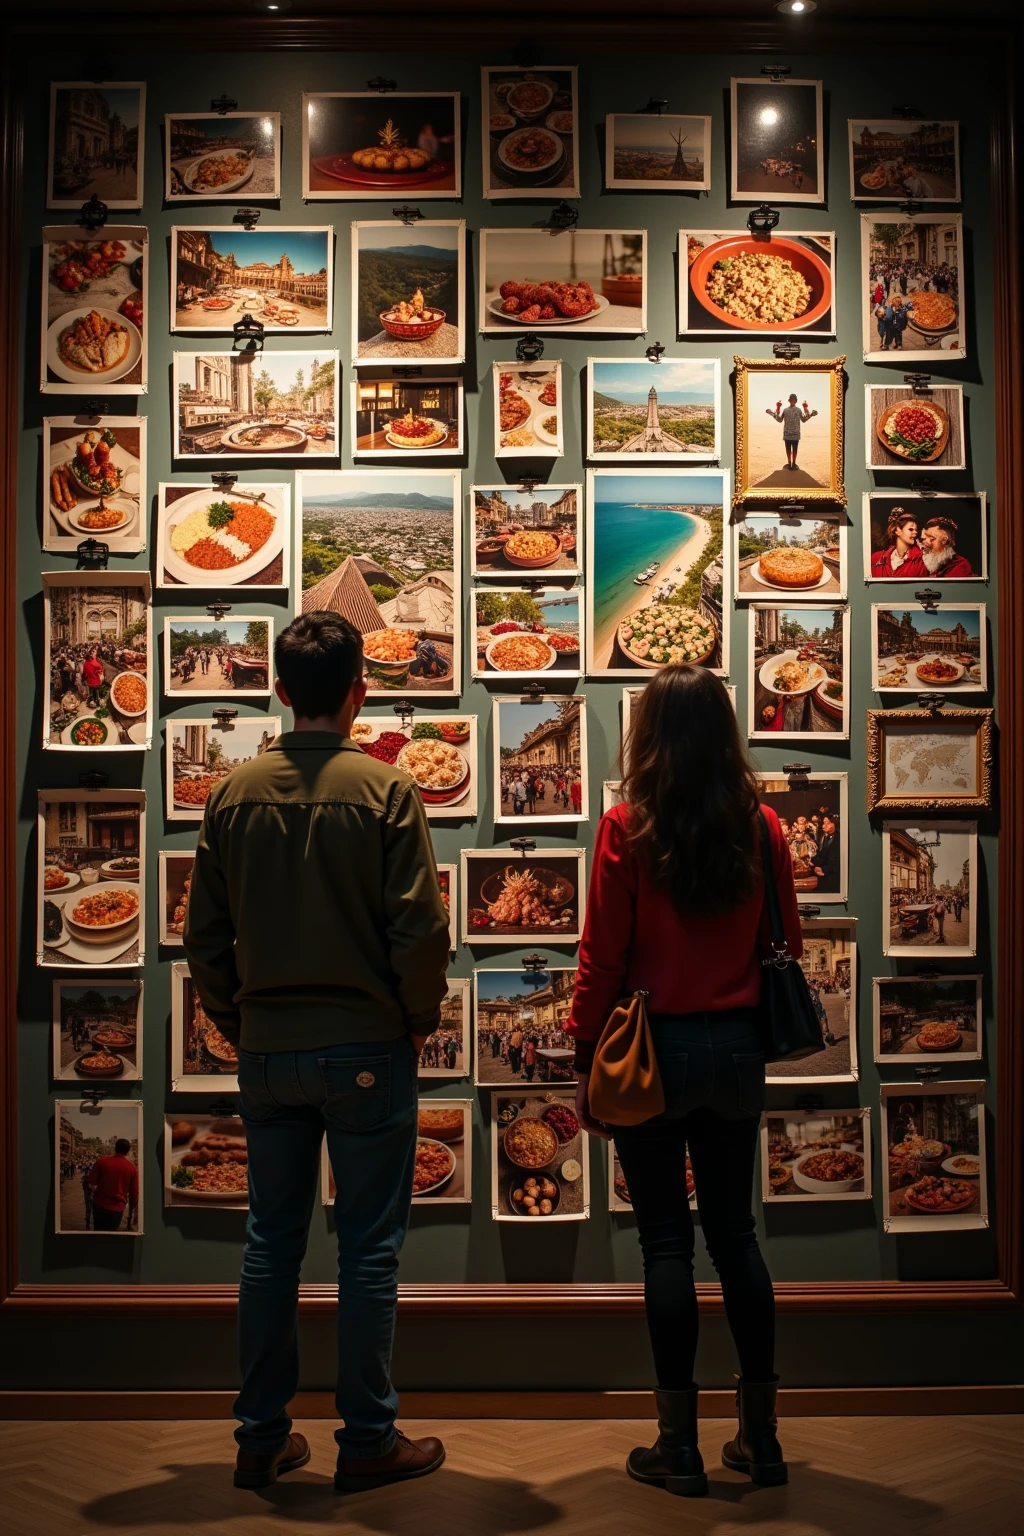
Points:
[750,1084]
[257,1101]
[357,1091]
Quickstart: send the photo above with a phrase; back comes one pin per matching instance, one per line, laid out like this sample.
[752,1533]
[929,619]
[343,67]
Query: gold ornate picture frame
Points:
[953,776]
[799,456]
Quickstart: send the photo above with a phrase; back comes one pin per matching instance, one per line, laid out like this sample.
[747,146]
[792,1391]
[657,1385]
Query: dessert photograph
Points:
[398,418]
[367,146]
[799,557]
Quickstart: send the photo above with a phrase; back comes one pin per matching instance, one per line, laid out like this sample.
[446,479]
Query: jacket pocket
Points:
[750,1085]
[357,1092]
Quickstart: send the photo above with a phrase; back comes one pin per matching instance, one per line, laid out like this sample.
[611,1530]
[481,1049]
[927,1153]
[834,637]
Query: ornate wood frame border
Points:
[835,368]
[351,27]
[984,735]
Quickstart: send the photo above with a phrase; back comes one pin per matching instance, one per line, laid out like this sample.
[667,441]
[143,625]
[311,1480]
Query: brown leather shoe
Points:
[258,1471]
[406,1458]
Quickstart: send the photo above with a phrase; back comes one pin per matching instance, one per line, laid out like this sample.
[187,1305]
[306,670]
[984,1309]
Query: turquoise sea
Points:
[626,539]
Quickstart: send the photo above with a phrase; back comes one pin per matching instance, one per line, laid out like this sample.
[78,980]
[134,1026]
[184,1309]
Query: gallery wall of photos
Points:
[534,439]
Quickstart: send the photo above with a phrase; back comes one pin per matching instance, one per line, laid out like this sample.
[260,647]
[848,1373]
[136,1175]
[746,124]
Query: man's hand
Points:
[586,1119]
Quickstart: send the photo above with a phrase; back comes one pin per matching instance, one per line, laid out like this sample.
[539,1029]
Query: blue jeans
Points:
[365,1098]
[712,1071]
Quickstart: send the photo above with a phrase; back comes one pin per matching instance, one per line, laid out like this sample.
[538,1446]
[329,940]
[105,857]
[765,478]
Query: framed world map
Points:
[929,759]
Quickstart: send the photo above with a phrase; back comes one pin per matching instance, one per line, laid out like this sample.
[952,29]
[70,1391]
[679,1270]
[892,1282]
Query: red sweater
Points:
[115,1183]
[634,938]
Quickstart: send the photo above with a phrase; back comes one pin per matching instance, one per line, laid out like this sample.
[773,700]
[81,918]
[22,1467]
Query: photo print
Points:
[175,879]
[445,1053]
[531,897]
[894,160]
[812,812]
[222,157]
[930,760]
[96,1169]
[798,683]
[540,759]
[938,537]
[382,547]
[211,538]
[393,417]
[667,152]
[814,1155]
[198,753]
[206,1162]
[657,569]
[915,649]
[97,1031]
[611,795]
[93,311]
[829,964]
[360,144]
[934,1138]
[776,141]
[912,293]
[789,430]
[201,1057]
[527,410]
[448,883]
[443,1173]
[97,642]
[281,276]
[409,292]
[908,431]
[619,1198]
[519,1023]
[534,529]
[664,415]
[929,888]
[529,124]
[97,137]
[527,632]
[540,1160]
[782,554]
[573,280]
[741,284]
[278,405]
[91,902]
[219,658]
[94,483]
[438,752]
[920,1019]
[631,695]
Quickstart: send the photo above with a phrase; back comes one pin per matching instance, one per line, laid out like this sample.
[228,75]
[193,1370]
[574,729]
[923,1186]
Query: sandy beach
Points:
[685,557]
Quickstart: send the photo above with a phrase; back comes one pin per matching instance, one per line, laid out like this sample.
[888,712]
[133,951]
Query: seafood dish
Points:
[529,303]
[525,898]
[530,1143]
[410,431]
[663,634]
[786,567]
[939,1196]
[760,287]
[222,534]
[433,1167]
[917,432]
[94,343]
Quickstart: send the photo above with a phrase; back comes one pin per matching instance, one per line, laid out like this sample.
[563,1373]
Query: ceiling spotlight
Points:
[277,7]
[796,7]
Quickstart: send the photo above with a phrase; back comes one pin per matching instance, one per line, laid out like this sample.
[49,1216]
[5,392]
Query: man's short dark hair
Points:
[318,658]
[122,1146]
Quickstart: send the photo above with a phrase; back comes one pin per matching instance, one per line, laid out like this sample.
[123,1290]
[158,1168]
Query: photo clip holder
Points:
[529,348]
[777,72]
[797,773]
[762,220]
[93,778]
[790,513]
[407,215]
[920,383]
[223,1108]
[381,84]
[934,703]
[810,1102]
[528,485]
[907,112]
[523,845]
[534,963]
[787,349]
[93,1096]
[924,1073]
[93,409]
[806,911]
[533,692]
[654,106]
[923,485]
[218,610]
[224,480]
[565,216]
[223,104]
[405,709]
[407,373]
[654,352]
[247,335]
[223,718]
[93,214]
[910,208]
[247,217]
[928,598]
[93,555]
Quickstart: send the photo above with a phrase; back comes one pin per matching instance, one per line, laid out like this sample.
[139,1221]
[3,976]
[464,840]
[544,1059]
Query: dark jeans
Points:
[104,1220]
[712,1070]
[365,1098]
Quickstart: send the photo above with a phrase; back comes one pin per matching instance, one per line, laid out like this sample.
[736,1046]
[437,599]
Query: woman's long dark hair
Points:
[692,793]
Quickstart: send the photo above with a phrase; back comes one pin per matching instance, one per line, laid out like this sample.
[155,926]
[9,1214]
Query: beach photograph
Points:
[222,658]
[916,649]
[364,145]
[568,282]
[663,152]
[734,284]
[97,1178]
[784,554]
[933,1135]
[277,405]
[812,812]
[927,1018]
[938,537]
[97,1030]
[896,159]
[526,632]
[445,1053]
[829,964]
[656,570]
[222,157]
[94,482]
[797,684]
[929,888]
[529,126]
[663,413]
[282,277]
[397,418]
[519,1019]
[408,291]
[540,760]
[777,141]
[535,529]
[97,138]
[912,293]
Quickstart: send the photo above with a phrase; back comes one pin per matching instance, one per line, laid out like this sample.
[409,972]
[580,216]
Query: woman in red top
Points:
[676,909]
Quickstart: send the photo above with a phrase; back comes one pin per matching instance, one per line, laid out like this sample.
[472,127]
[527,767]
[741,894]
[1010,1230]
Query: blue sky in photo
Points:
[691,487]
[690,382]
[305,249]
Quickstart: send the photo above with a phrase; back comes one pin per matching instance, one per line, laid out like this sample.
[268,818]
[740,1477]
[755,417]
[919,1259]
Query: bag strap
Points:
[771,891]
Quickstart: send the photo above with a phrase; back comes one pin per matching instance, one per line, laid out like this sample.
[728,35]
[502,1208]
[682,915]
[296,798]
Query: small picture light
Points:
[277,7]
[796,7]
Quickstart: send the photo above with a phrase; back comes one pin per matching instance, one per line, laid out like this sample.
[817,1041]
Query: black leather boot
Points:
[756,1449]
[674,1461]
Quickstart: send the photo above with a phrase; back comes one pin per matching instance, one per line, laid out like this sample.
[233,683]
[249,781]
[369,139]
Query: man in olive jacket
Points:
[318,943]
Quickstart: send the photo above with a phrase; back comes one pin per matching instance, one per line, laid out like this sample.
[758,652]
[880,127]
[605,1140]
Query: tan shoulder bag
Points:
[625,1084]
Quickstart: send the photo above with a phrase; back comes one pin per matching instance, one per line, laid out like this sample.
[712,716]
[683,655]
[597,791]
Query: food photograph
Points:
[527,896]
[174,881]
[277,405]
[368,146]
[408,292]
[443,1171]
[813,1155]
[97,139]
[398,418]
[94,485]
[789,431]
[91,896]
[533,529]
[383,548]
[813,814]
[519,1019]
[912,431]
[84,1131]
[206,1163]
[740,284]
[280,276]
[526,632]
[664,414]
[921,1019]
[917,649]
[97,1031]
[448,884]
[569,282]
[788,555]
[929,889]
[530,131]
[99,686]
[663,152]
[829,965]
[213,538]
[201,1057]
[221,157]
[222,658]
[199,752]
[93,311]
[438,752]
[777,142]
[657,569]
[445,1053]
[619,1199]
[912,297]
[527,410]
[540,760]
[798,680]
[899,159]
[540,1158]
[934,1139]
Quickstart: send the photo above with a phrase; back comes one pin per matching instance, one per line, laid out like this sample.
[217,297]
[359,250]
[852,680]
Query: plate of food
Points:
[265,437]
[563,1121]
[125,867]
[779,1174]
[533,1196]
[939,1037]
[962,1166]
[514,409]
[530,1143]
[791,570]
[215,1181]
[547,304]
[92,344]
[390,651]
[90,732]
[217,541]
[129,694]
[411,431]
[790,677]
[211,1166]
[938,671]
[532,549]
[934,1196]
[545,426]
[113,1039]
[531,155]
[520,652]
[829,696]
[439,770]
[828,1170]
[99,1064]
[662,634]
[220,1049]
[916,431]
[759,285]
[534,897]
[57,879]
[102,915]
[191,791]
[932,313]
[221,171]
[445,1125]
[434,1166]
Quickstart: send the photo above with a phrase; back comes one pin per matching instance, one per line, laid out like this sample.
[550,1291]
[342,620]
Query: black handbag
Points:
[790,1026]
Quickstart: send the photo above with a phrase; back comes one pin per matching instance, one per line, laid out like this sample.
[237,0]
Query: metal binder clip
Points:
[379,83]
[929,599]
[523,845]
[223,718]
[920,383]
[778,72]
[93,555]
[247,217]
[247,335]
[93,214]
[406,214]
[534,963]
[405,710]
[218,610]
[224,479]
[763,219]
[93,779]
[787,350]
[565,216]
[529,348]
[223,104]
[654,352]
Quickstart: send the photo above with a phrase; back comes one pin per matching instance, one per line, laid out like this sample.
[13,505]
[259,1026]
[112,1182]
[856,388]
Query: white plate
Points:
[926,683]
[89,381]
[188,174]
[131,487]
[755,574]
[959,1173]
[398,442]
[236,1196]
[494,308]
[771,666]
[108,934]
[500,671]
[823,1186]
[431,1188]
[108,871]
[115,503]
[537,424]
[74,878]
[84,952]
[457,796]
[174,565]
[129,714]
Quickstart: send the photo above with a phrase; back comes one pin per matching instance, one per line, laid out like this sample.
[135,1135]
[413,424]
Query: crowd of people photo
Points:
[541,791]
[893,285]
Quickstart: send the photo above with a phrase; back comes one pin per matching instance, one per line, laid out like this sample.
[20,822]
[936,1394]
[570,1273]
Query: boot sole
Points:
[267,1479]
[693,1487]
[769,1474]
[345,1483]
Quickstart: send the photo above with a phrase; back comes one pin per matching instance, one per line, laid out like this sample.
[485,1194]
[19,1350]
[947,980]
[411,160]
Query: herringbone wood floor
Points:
[849,1477]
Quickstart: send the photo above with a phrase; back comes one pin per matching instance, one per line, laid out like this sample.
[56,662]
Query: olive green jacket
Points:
[314,914]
